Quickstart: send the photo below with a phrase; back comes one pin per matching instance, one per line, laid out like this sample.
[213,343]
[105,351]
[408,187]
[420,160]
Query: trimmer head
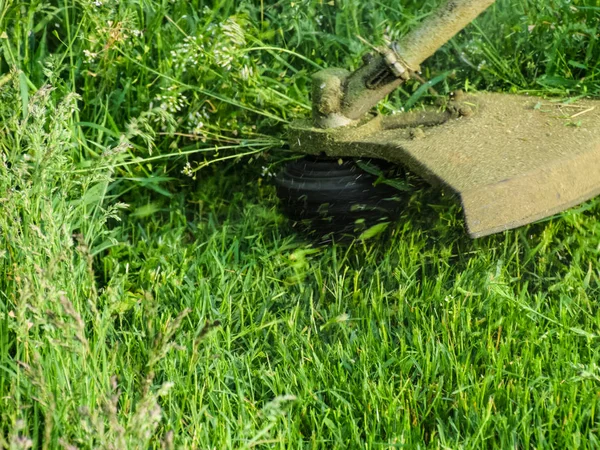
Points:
[511,159]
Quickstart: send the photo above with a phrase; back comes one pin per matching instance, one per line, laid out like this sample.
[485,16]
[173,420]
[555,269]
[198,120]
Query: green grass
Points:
[152,296]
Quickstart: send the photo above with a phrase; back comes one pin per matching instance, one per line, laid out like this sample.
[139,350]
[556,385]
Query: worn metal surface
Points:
[515,160]
[327,94]
[357,97]
[340,97]
[439,28]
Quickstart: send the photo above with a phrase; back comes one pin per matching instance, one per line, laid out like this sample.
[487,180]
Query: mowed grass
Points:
[152,296]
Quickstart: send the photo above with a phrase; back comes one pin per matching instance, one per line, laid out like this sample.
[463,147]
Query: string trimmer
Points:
[510,159]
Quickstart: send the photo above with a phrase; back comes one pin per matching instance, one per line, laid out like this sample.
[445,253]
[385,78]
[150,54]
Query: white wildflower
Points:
[90,57]
[265,172]
[187,170]
[172,102]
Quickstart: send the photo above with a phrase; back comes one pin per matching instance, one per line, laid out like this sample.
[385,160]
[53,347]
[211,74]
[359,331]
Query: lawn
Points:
[152,295]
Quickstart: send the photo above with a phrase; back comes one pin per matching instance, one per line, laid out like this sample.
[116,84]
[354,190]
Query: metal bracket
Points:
[396,63]
[342,99]
[392,57]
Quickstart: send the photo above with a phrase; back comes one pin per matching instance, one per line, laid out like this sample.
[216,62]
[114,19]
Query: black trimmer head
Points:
[326,195]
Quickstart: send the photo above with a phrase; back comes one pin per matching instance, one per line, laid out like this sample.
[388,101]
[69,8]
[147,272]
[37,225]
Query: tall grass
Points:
[153,297]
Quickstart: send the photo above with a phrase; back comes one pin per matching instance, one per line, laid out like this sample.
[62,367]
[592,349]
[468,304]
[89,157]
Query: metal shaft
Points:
[413,49]
[439,28]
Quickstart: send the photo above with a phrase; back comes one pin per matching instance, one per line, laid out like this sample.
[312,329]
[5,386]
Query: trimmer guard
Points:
[510,159]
